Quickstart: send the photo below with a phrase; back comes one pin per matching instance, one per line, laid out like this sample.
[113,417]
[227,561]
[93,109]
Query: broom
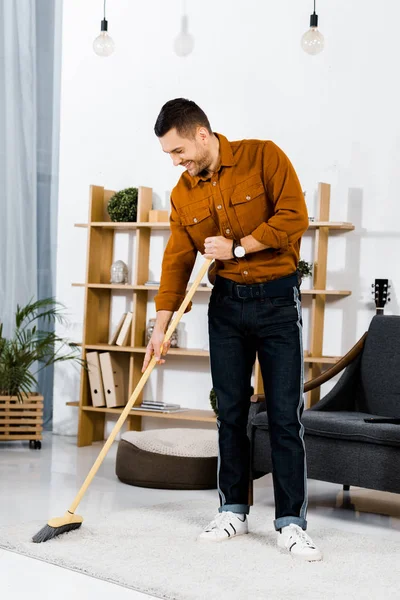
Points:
[70,520]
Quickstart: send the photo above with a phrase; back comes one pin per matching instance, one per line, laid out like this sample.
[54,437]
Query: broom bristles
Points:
[48,533]
[68,522]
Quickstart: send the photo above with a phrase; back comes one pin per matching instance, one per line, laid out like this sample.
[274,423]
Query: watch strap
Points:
[235,244]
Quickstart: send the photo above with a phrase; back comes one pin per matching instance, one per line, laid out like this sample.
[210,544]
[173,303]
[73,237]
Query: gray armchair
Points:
[341,447]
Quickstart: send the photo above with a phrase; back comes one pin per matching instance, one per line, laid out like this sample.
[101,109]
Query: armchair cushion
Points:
[380,368]
[343,425]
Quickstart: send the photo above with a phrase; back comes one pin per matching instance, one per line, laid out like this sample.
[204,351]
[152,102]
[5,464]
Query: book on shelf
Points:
[123,338]
[155,404]
[158,410]
[114,335]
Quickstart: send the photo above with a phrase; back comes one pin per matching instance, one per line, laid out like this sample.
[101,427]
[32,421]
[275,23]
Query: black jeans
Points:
[263,319]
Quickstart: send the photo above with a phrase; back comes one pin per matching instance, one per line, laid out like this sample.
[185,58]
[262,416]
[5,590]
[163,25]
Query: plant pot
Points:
[22,420]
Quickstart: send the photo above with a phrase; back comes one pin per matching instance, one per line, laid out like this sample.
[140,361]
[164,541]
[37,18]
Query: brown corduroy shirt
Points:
[254,192]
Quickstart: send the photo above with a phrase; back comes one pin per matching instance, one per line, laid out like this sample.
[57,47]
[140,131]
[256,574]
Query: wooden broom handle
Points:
[138,389]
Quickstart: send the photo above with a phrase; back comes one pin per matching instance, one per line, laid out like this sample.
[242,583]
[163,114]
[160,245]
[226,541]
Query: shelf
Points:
[112,225]
[323,360]
[189,414]
[150,288]
[331,225]
[325,292]
[142,350]
[334,225]
[328,360]
[201,288]
[127,286]
[106,286]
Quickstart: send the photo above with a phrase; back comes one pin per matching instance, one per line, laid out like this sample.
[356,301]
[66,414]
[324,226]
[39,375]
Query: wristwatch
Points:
[238,250]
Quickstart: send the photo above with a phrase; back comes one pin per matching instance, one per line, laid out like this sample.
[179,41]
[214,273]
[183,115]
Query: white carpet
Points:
[155,550]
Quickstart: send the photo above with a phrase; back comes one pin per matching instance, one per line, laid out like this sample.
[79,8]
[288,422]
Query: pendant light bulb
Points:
[184,42]
[313,41]
[104,45]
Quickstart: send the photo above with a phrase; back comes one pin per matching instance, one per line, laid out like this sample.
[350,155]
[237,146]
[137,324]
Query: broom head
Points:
[57,526]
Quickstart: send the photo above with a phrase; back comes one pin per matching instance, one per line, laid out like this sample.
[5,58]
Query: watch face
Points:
[239,251]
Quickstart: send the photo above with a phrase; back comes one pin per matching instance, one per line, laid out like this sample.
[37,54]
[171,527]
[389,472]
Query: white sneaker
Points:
[225,526]
[294,540]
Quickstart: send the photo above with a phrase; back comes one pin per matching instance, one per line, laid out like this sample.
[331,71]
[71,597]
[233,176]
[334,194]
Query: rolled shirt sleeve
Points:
[290,219]
[178,262]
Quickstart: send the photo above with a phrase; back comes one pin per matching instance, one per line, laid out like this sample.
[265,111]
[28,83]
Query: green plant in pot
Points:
[122,207]
[32,348]
[304,269]
[213,401]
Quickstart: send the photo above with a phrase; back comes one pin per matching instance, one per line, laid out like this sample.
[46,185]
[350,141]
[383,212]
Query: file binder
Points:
[95,379]
[113,373]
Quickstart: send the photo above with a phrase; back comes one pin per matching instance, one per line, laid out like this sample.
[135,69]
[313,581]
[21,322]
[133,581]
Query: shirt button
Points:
[214,183]
[219,206]
[195,220]
[245,272]
[248,197]
[227,231]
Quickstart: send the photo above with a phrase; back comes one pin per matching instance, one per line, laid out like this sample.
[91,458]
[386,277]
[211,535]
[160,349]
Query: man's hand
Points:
[157,338]
[218,248]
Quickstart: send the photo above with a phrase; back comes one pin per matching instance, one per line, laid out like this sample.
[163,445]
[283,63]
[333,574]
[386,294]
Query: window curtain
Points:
[30,64]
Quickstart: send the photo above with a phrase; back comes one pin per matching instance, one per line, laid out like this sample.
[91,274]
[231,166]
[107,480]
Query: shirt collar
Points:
[226,158]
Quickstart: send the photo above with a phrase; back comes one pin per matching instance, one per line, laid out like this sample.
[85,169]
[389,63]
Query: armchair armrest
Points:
[257,405]
[348,360]
[339,366]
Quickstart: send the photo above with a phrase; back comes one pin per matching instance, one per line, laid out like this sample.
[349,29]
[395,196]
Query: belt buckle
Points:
[240,287]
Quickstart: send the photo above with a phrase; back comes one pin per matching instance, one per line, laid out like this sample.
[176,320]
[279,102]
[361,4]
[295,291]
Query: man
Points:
[241,204]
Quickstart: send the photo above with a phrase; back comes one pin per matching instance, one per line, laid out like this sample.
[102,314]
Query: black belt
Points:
[268,289]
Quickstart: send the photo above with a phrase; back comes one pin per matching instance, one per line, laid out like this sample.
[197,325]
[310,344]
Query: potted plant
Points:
[213,401]
[123,205]
[304,269]
[22,356]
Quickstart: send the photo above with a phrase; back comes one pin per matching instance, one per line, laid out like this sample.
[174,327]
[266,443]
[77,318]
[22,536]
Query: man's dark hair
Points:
[182,114]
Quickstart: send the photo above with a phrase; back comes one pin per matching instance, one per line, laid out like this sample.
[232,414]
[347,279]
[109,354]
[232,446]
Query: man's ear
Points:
[203,134]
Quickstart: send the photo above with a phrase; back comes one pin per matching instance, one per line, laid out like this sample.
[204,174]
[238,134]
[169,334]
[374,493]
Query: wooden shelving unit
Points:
[97,304]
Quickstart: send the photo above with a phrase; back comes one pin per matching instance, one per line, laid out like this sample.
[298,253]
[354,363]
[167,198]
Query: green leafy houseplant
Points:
[213,401]
[123,205]
[32,349]
[304,268]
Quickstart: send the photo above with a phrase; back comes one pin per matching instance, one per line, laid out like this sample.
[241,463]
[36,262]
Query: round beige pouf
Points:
[178,459]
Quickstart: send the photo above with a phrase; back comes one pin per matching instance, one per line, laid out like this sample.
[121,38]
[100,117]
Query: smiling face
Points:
[193,154]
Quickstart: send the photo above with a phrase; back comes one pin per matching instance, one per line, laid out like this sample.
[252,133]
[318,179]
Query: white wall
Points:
[335,115]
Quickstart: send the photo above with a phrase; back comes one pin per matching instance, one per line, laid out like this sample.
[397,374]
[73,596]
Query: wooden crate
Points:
[21,420]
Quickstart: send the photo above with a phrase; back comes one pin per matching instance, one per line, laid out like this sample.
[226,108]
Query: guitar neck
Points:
[381,294]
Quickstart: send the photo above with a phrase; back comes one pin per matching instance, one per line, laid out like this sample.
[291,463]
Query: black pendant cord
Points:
[314,18]
[104,24]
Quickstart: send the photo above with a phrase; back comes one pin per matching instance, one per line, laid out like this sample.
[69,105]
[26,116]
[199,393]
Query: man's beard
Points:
[201,164]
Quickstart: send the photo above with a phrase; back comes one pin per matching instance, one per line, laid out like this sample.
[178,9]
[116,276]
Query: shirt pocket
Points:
[198,222]
[249,201]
